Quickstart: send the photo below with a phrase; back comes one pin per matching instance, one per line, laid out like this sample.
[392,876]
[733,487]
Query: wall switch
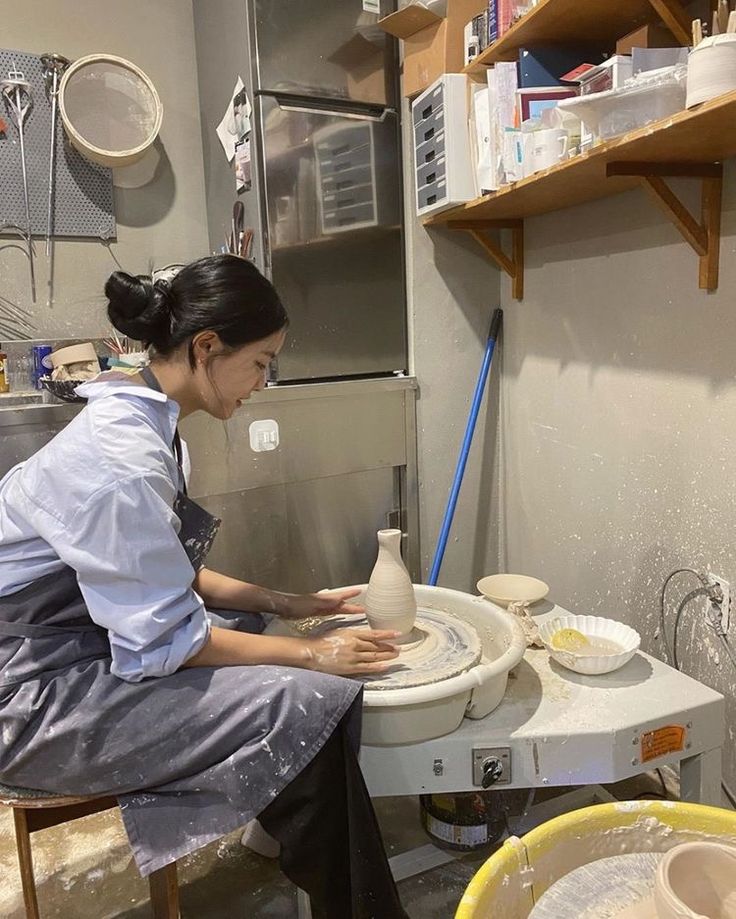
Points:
[726,602]
[263,435]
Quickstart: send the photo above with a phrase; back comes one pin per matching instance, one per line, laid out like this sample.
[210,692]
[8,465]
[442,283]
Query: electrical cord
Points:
[729,794]
[698,592]
[715,622]
[662,625]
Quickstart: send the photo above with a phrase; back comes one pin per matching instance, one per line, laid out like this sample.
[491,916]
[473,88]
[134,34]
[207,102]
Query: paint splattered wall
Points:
[618,421]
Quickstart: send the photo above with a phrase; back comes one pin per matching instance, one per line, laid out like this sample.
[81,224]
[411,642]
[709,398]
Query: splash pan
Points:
[435,695]
[439,647]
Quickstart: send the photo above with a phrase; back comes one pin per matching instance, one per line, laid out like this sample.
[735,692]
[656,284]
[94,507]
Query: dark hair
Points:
[222,293]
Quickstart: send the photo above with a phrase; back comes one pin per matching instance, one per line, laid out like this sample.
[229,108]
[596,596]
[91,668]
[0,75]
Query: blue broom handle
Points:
[465,448]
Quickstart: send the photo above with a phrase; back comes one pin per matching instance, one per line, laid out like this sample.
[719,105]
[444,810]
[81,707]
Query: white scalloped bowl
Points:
[592,627]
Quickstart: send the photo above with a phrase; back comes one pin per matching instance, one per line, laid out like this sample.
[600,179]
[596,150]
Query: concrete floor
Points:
[84,870]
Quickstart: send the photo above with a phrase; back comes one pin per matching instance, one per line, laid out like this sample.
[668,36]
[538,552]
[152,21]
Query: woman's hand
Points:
[302,606]
[350,652]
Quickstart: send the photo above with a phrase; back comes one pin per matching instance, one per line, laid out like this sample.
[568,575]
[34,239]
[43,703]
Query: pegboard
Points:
[83,202]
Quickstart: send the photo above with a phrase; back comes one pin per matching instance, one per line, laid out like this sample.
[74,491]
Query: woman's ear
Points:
[205,345]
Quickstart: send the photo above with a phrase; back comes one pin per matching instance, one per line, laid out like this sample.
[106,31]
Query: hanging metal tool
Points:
[54,66]
[18,95]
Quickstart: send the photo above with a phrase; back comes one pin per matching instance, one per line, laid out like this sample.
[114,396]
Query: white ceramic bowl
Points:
[592,627]
[512,588]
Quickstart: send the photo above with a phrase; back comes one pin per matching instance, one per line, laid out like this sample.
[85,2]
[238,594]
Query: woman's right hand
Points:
[351,652]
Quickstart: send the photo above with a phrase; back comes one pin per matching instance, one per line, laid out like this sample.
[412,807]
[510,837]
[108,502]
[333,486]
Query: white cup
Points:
[544,149]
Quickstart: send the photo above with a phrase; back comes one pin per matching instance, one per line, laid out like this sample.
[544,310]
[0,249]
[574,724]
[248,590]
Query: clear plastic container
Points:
[619,111]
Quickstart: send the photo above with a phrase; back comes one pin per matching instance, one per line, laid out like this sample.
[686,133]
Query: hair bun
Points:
[136,308]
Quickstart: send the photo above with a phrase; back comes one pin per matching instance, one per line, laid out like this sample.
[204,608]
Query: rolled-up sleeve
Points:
[135,576]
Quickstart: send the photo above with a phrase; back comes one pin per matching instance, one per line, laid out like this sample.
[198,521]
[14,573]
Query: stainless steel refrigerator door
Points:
[332,202]
[324,48]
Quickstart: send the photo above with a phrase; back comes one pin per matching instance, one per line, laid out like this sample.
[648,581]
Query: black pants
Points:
[331,845]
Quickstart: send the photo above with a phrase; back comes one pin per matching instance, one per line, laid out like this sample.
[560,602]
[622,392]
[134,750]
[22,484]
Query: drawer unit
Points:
[443,172]
[350,187]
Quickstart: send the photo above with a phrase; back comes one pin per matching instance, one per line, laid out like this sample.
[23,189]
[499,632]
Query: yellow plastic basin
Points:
[514,878]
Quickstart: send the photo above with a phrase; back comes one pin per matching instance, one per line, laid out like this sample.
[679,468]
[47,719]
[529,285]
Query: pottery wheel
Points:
[440,646]
[603,889]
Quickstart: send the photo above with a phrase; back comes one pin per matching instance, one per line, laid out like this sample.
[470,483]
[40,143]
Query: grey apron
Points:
[191,756]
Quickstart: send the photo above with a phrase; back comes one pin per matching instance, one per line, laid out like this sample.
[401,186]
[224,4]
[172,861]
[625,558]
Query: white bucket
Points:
[711,69]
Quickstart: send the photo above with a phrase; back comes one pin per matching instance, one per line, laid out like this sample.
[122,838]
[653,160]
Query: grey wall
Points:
[452,292]
[618,420]
[222,56]
[163,221]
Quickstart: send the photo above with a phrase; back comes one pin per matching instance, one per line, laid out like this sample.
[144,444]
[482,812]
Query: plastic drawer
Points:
[432,172]
[431,194]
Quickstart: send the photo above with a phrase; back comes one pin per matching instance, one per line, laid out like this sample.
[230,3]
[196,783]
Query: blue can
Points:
[39,366]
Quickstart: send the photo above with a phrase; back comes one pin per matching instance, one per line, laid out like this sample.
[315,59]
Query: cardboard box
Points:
[651,36]
[438,48]
[611,74]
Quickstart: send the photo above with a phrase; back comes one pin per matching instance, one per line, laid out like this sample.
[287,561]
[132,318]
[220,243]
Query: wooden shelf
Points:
[703,135]
[690,144]
[557,22]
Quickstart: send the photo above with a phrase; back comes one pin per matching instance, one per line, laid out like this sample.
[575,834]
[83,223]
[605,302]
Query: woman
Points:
[117,677]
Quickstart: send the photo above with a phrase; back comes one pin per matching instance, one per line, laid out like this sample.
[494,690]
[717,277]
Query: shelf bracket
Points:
[673,15]
[513,265]
[703,236]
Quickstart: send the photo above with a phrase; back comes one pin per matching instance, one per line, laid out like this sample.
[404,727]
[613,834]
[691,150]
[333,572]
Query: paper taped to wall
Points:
[235,123]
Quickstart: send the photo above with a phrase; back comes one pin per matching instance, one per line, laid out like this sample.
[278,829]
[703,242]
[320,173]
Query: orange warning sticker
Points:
[670,739]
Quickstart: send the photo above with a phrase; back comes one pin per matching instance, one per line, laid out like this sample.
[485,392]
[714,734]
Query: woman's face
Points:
[226,379]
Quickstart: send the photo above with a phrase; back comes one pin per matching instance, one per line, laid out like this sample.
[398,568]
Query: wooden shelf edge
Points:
[603,152]
[671,12]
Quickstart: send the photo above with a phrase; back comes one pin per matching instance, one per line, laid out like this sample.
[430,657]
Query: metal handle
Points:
[496,324]
[335,110]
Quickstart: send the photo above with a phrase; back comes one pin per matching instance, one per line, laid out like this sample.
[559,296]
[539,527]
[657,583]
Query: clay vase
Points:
[696,880]
[389,600]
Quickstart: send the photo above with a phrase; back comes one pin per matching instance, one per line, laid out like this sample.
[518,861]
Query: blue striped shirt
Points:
[98,498]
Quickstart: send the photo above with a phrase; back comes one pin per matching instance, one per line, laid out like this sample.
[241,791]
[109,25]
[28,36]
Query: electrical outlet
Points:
[726,602]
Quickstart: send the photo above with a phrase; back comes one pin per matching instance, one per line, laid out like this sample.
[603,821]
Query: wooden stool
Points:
[37,810]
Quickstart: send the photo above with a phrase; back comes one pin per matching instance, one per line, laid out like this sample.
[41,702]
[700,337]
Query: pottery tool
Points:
[18,95]
[716,27]
[697,32]
[53,67]
[466,444]
[236,228]
[110,109]
[723,14]
[731,27]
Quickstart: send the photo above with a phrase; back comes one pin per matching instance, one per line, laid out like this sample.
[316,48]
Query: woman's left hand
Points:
[329,603]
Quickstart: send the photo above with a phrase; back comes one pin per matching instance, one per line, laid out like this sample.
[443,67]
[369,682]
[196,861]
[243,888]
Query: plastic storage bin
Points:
[619,111]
